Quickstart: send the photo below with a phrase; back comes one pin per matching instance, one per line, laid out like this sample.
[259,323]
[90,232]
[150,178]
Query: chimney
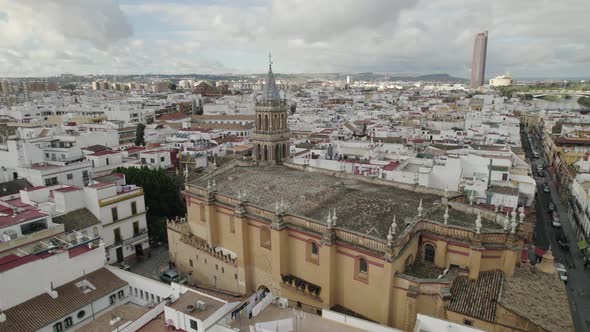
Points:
[52,292]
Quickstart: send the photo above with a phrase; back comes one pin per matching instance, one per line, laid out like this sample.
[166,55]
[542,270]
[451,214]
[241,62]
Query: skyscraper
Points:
[478,63]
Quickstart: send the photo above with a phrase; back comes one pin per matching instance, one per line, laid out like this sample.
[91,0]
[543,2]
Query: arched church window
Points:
[429,253]
[265,237]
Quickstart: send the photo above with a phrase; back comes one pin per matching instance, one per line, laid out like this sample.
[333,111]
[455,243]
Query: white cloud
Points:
[527,37]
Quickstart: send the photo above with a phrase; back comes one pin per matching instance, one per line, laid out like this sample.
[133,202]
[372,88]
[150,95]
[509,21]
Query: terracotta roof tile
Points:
[477,298]
[43,309]
[539,297]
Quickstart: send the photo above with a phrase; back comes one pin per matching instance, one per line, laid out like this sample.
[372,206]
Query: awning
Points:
[582,245]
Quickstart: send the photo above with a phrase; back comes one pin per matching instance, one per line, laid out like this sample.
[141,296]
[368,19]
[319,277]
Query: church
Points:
[375,249]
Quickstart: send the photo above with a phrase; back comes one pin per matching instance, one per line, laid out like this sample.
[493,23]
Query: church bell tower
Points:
[271,138]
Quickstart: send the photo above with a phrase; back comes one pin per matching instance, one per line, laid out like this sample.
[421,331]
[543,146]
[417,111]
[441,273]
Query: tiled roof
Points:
[95,148]
[76,220]
[105,152]
[223,117]
[504,190]
[477,298]
[14,186]
[43,309]
[539,297]
[26,213]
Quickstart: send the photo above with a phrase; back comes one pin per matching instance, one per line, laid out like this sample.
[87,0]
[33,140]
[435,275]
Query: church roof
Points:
[363,207]
[270,93]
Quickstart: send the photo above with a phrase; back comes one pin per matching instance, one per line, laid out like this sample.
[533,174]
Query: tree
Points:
[584,101]
[139,133]
[162,197]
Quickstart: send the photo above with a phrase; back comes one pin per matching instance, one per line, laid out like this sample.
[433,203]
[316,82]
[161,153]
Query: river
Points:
[565,104]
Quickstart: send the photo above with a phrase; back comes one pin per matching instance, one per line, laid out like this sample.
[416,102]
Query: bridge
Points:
[543,93]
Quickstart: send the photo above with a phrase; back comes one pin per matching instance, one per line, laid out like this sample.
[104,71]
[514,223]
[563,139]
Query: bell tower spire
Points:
[271,137]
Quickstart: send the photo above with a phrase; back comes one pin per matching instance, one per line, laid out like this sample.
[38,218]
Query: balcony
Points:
[142,235]
[130,241]
[301,286]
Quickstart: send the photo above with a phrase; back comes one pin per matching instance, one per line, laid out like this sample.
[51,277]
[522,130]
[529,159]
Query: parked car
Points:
[546,188]
[169,276]
[563,244]
[536,154]
[551,206]
[561,271]
[539,168]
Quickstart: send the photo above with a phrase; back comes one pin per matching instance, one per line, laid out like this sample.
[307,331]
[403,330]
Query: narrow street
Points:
[578,285]
[152,266]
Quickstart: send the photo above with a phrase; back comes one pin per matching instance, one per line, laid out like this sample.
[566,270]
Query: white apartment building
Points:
[156,158]
[76,174]
[108,208]
[121,210]
[130,115]
[22,223]
[62,289]
[103,162]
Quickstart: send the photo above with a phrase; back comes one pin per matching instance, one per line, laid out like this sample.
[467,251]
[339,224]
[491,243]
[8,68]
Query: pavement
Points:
[152,266]
[545,236]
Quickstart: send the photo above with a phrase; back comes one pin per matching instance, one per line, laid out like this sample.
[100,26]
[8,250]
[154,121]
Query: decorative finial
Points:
[389,239]
[513,226]
[214,185]
[334,218]
[447,192]
[446,215]
[506,222]
[522,215]
[478,223]
[239,195]
[209,188]
[471,197]
[496,207]
[420,209]
[329,221]
[277,207]
[391,232]
[513,215]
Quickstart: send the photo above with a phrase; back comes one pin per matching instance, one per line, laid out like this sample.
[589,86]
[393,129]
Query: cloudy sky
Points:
[530,38]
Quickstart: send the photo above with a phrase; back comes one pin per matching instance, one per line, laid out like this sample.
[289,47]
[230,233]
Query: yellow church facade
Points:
[231,244]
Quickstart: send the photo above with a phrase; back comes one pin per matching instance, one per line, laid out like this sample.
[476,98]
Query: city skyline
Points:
[135,37]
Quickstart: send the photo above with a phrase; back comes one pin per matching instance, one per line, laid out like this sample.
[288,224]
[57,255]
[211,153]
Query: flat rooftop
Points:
[190,299]
[306,322]
[363,207]
[128,312]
